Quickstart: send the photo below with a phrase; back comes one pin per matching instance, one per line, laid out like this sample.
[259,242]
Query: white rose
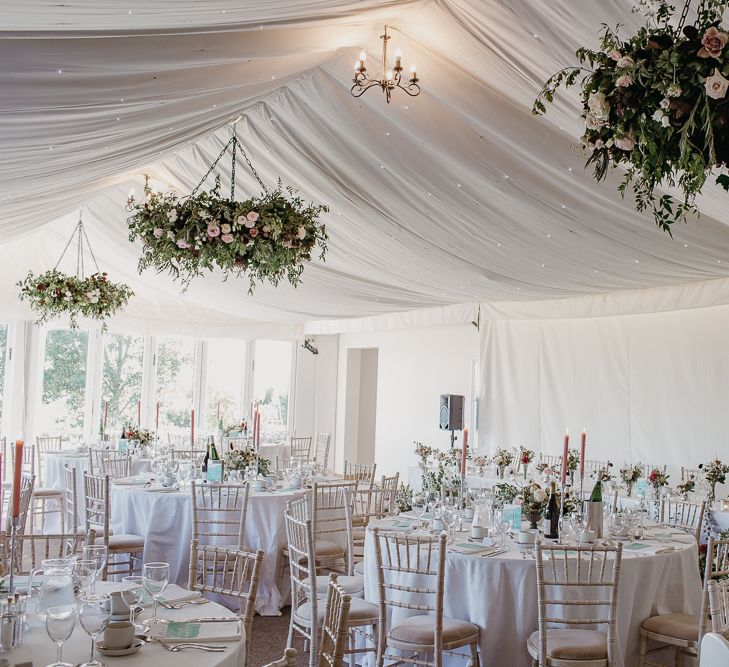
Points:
[301,232]
[598,105]
[592,122]
[716,85]
[540,495]
[172,215]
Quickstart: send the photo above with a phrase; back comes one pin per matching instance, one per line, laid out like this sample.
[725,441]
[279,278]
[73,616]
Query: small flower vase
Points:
[712,492]
[526,468]
[572,478]
[533,518]
[500,471]
[629,488]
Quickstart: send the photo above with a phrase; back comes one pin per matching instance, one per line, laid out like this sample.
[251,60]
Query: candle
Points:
[192,429]
[139,413]
[156,419]
[582,455]
[464,454]
[564,455]
[17,470]
[106,413]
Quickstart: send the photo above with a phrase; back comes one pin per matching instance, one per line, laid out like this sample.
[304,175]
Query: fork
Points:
[182,603]
[174,648]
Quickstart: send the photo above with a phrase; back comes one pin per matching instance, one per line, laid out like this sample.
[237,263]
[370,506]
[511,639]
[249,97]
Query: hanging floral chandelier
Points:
[55,293]
[388,78]
[656,105]
[268,237]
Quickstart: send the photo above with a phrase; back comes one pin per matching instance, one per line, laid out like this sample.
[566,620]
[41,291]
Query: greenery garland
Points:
[657,105]
[268,237]
[55,293]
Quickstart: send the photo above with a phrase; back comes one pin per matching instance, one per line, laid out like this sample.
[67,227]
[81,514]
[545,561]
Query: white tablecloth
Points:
[164,519]
[499,595]
[38,649]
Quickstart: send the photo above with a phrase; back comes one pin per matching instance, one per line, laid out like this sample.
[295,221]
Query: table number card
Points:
[215,471]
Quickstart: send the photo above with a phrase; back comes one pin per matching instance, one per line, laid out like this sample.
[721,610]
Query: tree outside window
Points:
[175,370]
[271,388]
[122,380]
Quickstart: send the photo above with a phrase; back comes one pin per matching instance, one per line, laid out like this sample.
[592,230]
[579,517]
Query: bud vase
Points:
[629,488]
[500,471]
[526,467]
[712,492]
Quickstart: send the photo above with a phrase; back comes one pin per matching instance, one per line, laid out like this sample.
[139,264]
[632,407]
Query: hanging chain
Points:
[91,250]
[252,168]
[212,166]
[80,253]
[232,170]
[79,232]
[685,11]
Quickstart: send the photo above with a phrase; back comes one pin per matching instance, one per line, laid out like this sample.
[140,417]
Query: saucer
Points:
[117,652]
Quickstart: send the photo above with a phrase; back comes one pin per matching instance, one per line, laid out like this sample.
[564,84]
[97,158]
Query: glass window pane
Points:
[271,387]
[3,353]
[64,382]
[225,382]
[122,380]
[175,372]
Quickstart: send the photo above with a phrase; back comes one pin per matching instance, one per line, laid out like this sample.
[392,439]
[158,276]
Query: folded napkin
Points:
[647,548]
[162,489]
[172,594]
[471,548]
[184,631]
[135,480]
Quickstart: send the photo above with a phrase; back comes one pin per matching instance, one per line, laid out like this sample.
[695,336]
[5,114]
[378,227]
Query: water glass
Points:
[155,577]
[60,622]
[98,553]
[132,591]
[84,572]
[94,615]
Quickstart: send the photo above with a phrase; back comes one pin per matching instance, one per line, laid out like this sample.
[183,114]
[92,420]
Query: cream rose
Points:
[540,495]
[624,81]
[716,85]
[713,42]
[625,61]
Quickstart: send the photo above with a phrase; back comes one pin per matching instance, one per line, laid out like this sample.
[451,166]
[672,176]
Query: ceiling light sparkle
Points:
[388,77]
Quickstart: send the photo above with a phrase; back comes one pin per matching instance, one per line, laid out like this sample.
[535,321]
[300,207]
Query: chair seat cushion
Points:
[126,541]
[327,549]
[353,586]
[359,568]
[420,630]
[46,492]
[359,611]
[680,626]
[571,644]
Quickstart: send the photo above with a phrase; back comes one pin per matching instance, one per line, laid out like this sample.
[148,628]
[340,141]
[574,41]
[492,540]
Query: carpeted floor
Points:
[269,639]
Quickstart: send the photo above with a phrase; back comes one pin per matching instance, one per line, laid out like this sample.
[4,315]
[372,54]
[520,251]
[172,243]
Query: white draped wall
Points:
[651,387]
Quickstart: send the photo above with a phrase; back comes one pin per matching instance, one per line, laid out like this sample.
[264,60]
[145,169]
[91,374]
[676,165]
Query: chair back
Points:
[116,466]
[282,464]
[683,515]
[594,466]
[714,651]
[360,472]
[302,569]
[334,629]
[573,577]
[178,440]
[321,453]
[289,659]
[97,504]
[230,572]
[401,559]
[70,499]
[96,459]
[300,447]
[719,605]
[687,473]
[328,503]
[44,444]
[185,454]
[33,549]
[219,513]
[551,459]
[390,485]
[717,569]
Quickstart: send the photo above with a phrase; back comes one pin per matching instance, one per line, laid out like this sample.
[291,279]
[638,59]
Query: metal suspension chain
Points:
[232,170]
[252,168]
[79,232]
[684,14]
[68,243]
[80,253]
[91,250]
[212,166]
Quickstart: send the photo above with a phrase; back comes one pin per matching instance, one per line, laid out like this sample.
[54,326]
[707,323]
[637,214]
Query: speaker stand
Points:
[453,438]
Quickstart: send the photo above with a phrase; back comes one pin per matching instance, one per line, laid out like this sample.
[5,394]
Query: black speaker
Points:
[451,412]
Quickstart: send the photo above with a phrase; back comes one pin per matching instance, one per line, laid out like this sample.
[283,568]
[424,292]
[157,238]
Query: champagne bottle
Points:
[596,496]
[214,456]
[204,468]
[552,514]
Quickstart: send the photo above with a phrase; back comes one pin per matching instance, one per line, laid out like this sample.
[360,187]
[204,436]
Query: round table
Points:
[164,519]
[499,594]
[38,649]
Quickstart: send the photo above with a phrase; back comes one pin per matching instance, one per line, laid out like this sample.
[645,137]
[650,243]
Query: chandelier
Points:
[387,78]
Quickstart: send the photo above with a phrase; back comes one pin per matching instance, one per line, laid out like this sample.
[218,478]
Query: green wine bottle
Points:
[596,496]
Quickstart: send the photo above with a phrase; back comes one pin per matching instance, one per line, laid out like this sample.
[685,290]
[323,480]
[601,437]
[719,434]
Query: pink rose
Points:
[615,55]
[241,220]
[183,244]
[716,85]
[227,238]
[713,42]
[301,233]
[626,143]
[254,232]
[624,81]
[213,231]
[252,216]
[225,228]
[626,61]
[158,232]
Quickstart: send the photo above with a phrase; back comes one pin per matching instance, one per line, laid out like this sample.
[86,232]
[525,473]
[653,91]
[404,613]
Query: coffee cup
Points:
[119,635]
[118,606]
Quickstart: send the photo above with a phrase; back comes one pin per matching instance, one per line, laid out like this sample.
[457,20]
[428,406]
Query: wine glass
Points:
[155,577]
[132,592]
[98,553]
[84,572]
[60,622]
[94,616]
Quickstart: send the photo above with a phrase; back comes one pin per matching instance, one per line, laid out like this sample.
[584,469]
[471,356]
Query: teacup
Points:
[118,606]
[119,635]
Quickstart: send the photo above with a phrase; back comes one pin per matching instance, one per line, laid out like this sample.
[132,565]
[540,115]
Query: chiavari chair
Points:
[321,453]
[719,606]
[219,513]
[360,472]
[45,501]
[565,577]
[411,582]
[683,515]
[229,572]
[116,466]
[300,447]
[335,626]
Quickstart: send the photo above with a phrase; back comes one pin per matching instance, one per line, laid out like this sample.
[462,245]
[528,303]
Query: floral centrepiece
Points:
[573,462]
[630,473]
[269,237]
[715,472]
[658,479]
[656,104]
[439,469]
[142,435]
[502,459]
[54,293]
[526,456]
[240,459]
[534,502]
[603,474]
[687,486]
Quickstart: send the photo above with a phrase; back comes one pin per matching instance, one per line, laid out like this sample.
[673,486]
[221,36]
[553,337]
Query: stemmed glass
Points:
[84,572]
[94,615]
[60,622]
[99,554]
[155,577]
[132,591]
[420,507]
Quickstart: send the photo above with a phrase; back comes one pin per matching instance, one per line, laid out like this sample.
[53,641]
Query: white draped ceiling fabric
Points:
[456,197]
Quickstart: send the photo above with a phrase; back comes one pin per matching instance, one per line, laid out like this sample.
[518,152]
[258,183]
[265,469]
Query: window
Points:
[64,382]
[271,388]
[175,377]
[122,379]
[3,354]
[225,382]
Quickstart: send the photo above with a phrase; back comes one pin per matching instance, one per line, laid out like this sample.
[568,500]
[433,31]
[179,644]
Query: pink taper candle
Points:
[564,455]
[464,454]
[582,454]
[17,471]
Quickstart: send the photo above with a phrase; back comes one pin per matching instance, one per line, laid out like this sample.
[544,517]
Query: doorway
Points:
[360,414]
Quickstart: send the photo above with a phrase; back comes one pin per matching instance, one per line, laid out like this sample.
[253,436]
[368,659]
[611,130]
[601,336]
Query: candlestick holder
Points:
[13,544]
[582,488]
[560,537]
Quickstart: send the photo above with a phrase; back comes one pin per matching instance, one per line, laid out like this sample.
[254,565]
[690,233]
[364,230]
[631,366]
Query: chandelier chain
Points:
[212,166]
[250,165]
[79,233]
[685,11]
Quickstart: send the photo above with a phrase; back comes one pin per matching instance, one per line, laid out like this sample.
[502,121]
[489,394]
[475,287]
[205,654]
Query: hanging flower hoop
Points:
[54,293]
[268,238]
[657,105]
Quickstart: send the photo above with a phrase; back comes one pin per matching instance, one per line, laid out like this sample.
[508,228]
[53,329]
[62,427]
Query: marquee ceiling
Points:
[459,195]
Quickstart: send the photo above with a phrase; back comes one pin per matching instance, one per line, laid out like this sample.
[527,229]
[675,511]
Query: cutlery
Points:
[204,619]
[183,603]
[174,648]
